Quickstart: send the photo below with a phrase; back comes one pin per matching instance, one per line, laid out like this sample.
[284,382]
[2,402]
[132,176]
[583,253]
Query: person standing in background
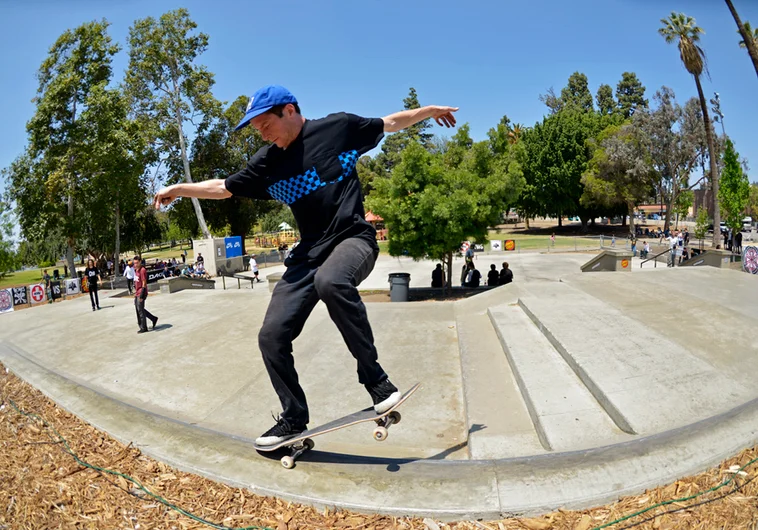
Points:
[140,295]
[129,274]
[92,275]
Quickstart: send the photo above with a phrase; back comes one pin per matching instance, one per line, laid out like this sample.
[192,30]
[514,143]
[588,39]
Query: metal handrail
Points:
[655,265]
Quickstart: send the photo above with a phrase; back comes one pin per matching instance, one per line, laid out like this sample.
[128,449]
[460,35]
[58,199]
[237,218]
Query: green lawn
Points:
[17,279]
[531,242]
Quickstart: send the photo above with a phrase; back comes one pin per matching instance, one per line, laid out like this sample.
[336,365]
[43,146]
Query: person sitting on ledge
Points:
[473,277]
[493,277]
[437,277]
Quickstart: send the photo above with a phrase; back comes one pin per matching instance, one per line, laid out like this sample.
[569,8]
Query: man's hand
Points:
[443,115]
[164,197]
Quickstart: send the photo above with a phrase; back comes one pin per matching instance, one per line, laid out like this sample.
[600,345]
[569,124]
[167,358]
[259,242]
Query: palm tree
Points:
[749,38]
[679,26]
[752,35]
[514,133]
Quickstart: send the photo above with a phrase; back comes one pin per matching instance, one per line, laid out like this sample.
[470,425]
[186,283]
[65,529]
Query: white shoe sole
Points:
[384,406]
[272,440]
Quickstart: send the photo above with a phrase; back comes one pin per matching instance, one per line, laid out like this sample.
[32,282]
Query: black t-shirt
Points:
[92,275]
[493,277]
[506,276]
[316,177]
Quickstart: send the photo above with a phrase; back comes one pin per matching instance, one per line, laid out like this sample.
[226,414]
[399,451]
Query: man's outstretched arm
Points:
[208,189]
[400,120]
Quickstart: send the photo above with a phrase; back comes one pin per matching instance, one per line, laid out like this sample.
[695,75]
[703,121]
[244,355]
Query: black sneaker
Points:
[154,322]
[280,432]
[384,394]
[142,331]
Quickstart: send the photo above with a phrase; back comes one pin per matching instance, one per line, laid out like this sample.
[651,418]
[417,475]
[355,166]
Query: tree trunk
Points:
[117,259]
[185,162]
[560,220]
[70,239]
[714,165]
[448,260]
[630,209]
[746,37]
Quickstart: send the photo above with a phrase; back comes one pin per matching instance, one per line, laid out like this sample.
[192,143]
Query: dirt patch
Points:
[42,486]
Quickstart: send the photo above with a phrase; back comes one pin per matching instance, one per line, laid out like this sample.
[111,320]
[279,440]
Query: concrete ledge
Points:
[609,260]
[712,258]
[443,489]
[273,278]
[180,283]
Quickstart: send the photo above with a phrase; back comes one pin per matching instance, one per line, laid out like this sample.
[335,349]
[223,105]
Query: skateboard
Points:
[303,442]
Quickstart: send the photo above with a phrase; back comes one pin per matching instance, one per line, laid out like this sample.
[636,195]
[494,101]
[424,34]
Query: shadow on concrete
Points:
[392,464]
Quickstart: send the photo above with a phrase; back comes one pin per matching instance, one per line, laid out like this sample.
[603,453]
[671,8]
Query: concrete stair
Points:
[499,424]
[644,381]
[565,414]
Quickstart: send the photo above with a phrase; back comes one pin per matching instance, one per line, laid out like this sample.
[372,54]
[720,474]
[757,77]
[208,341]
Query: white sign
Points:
[38,293]
[496,245]
[72,286]
[6,301]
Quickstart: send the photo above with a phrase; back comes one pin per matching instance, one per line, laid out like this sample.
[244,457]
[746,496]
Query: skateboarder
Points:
[310,166]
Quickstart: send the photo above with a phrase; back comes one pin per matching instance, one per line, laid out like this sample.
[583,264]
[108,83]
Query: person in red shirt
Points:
[140,295]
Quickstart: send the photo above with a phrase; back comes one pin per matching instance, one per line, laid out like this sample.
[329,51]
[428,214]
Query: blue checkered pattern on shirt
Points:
[292,189]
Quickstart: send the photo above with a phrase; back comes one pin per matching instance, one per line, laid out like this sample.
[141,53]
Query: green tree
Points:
[168,89]
[8,257]
[620,170]
[734,192]
[749,38]
[556,157]
[552,101]
[604,98]
[752,203]
[679,27]
[218,152]
[116,187]
[395,143]
[630,94]
[433,202]
[677,144]
[701,225]
[577,93]
[47,183]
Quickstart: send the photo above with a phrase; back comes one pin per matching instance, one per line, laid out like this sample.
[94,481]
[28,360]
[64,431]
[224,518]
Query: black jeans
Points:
[142,313]
[130,285]
[296,294]
[93,297]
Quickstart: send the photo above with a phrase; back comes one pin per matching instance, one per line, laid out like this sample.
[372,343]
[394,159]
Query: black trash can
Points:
[399,282]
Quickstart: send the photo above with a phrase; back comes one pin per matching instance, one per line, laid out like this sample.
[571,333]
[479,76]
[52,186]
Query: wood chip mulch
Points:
[42,486]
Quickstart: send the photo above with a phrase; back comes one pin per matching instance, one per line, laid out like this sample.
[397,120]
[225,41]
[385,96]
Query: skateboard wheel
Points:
[308,444]
[396,417]
[380,434]
[288,462]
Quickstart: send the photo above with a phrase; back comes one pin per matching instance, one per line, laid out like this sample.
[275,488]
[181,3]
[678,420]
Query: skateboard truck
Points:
[288,462]
[380,433]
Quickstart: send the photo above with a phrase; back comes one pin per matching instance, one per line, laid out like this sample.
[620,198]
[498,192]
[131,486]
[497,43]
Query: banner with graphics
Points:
[496,245]
[19,296]
[55,290]
[510,244]
[6,300]
[37,293]
[72,286]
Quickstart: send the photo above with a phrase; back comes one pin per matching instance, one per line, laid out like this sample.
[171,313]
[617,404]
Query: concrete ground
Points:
[562,389]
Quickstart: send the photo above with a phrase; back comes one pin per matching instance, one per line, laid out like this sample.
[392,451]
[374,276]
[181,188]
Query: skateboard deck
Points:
[302,442]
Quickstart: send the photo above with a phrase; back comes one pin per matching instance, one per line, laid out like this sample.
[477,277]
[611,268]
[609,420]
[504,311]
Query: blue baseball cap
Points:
[264,99]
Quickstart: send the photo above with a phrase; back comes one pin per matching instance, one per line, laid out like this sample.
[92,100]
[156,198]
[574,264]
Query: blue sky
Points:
[488,57]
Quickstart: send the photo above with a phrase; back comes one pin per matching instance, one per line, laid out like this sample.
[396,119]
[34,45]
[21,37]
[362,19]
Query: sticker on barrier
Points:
[6,301]
[37,292]
[750,260]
